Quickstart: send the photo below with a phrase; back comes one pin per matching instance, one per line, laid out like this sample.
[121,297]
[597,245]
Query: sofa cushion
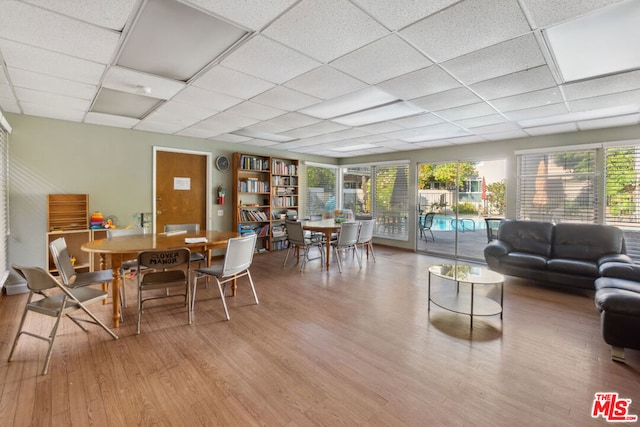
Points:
[586,241]
[612,282]
[533,237]
[573,266]
[523,259]
[620,301]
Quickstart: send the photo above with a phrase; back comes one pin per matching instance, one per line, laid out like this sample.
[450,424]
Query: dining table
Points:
[115,250]
[326,226]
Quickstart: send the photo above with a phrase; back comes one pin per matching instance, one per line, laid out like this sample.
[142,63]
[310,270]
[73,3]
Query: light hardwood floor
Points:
[323,349]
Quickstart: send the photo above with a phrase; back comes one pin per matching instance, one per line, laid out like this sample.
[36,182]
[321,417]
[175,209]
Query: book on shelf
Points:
[253,215]
[254,163]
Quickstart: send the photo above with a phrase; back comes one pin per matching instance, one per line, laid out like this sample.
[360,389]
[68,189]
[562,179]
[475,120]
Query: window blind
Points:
[558,187]
[4,205]
[320,186]
[391,200]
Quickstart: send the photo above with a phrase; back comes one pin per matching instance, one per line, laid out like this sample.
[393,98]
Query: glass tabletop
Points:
[466,273]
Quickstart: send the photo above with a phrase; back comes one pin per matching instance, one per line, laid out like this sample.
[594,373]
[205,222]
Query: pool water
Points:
[448,223]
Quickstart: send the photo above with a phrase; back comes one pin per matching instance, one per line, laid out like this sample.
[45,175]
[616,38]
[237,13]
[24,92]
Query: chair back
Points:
[117,232]
[239,255]
[295,233]
[62,260]
[191,228]
[366,230]
[348,233]
[315,217]
[428,220]
[164,259]
[363,217]
[37,279]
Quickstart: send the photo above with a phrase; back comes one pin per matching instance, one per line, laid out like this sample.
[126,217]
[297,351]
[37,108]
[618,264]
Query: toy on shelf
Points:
[96,220]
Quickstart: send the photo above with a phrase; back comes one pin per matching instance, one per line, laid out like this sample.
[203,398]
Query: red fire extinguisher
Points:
[220,195]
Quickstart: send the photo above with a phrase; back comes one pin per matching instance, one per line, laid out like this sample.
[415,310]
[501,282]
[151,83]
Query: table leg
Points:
[116,262]
[327,239]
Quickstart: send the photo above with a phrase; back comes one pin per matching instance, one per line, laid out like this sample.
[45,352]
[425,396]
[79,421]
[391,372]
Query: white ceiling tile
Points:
[317,29]
[325,82]
[179,113]
[505,58]
[52,111]
[5,90]
[426,119]
[205,98]
[496,128]
[381,60]
[51,100]
[433,144]
[8,102]
[515,83]
[224,123]
[447,99]
[397,14]
[110,120]
[253,14]
[34,26]
[471,139]
[285,99]
[602,86]
[545,12]
[269,60]
[628,120]
[490,119]
[465,27]
[197,131]
[51,63]
[111,14]
[255,111]
[420,83]
[350,103]
[131,81]
[605,101]
[552,129]
[158,126]
[528,100]
[231,82]
[506,135]
[379,128]
[44,83]
[466,111]
[428,133]
[229,137]
[324,127]
[284,123]
[536,112]
[261,143]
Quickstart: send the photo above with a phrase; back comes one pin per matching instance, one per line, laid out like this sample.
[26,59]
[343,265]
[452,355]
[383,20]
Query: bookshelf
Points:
[265,193]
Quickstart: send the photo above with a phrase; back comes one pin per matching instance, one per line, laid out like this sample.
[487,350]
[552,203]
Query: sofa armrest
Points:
[621,258]
[497,248]
[621,270]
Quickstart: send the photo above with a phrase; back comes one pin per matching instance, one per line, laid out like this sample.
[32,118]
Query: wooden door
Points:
[181,189]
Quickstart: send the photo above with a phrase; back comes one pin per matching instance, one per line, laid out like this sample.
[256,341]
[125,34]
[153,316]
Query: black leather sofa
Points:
[566,254]
[618,300]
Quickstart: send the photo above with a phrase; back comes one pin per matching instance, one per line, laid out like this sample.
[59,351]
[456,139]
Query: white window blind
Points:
[558,187]
[391,201]
[356,191]
[320,186]
[621,186]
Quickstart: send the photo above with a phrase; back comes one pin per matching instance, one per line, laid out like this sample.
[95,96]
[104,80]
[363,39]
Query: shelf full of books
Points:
[265,193]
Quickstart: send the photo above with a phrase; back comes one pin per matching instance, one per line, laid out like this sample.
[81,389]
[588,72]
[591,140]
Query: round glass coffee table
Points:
[447,294]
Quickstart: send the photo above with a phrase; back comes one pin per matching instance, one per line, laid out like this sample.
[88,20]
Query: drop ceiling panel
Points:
[515,83]
[325,82]
[324,127]
[158,126]
[108,14]
[285,99]
[253,14]
[420,83]
[504,58]
[51,63]
[177,112]
[552,129]
[545,12]
[536,112]
[205,98]
[325,30]
[490,119]
[51,100]
[37,27]
[631,98]
[52,111]
[381,60]
[528,100]
[397,14]
[426,119]
[466,111]
[56,85]
[255,111]
[602,86]
[231,82]
[110,120]
[628,120]
[268,60]
[447,99]
[118,103]
[285,123]
[467,26]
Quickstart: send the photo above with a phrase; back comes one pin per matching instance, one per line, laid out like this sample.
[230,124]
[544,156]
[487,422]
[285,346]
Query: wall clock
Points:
[222,163]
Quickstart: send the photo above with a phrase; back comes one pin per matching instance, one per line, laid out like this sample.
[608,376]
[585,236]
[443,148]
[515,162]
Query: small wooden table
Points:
[123,248]
[326,226]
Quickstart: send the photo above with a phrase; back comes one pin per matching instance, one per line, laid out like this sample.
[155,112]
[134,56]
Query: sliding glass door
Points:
[455,202]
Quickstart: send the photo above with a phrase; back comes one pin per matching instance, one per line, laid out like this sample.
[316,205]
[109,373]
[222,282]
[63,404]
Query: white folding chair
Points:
[347,240]
[55,304]
[365,237]
[297,239]
[237,260]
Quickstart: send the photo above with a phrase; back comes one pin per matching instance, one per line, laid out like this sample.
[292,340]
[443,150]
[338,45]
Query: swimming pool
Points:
[449,223]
